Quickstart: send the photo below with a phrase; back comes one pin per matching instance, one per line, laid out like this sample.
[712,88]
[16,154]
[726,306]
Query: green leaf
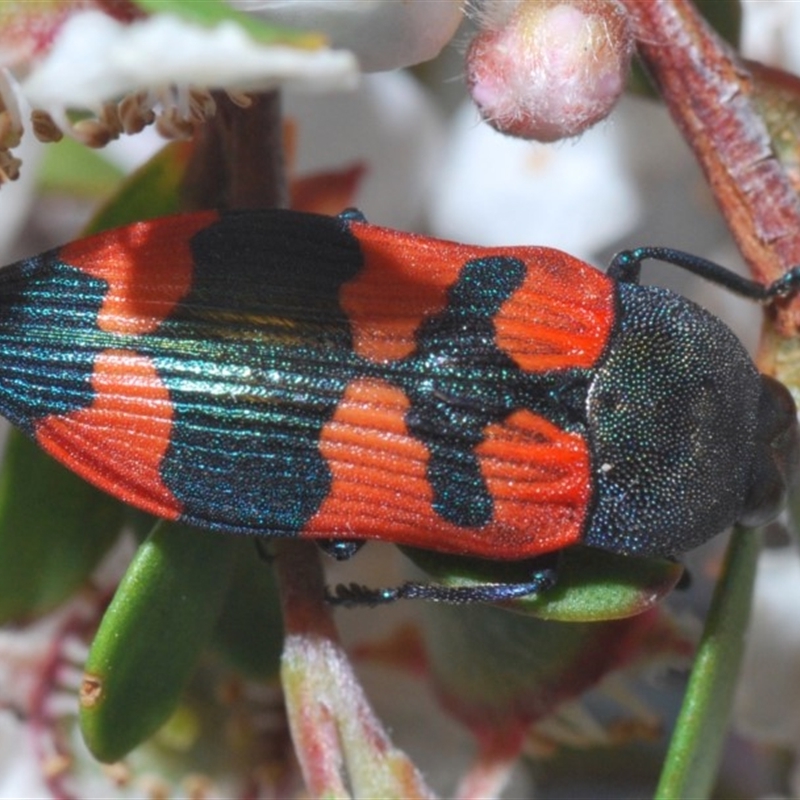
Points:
[500,673]
[724,18]
[75,169]
[148,644]
[151,191]
[696,746]
[54,529]
[212,12]
[592,585]
[249,632]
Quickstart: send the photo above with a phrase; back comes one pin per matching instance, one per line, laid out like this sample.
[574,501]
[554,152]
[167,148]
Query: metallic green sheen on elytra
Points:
[255,357]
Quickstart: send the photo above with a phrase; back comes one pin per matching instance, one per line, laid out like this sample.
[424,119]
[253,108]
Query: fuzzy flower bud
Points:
[549,69]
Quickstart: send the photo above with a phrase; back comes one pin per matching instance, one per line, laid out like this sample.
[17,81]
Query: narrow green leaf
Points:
[54,529]
[591,586]
[725,18]
[249,632]
[77,170]
[151,636]
[213,12]
[696,746]
[500,673]
[151,191]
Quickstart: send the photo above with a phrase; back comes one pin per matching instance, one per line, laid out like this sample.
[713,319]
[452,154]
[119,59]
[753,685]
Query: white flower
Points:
[770,31]
[20,770]
[496,190]
[625,183]
[770,681]
[16,198]
[162,68]
[96,58]
[390,125]
[384,34]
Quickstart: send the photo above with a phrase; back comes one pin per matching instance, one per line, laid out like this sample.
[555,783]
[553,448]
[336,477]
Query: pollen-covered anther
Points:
[171,124]
[198,786]
[9,166]
[55,765]
[135,113]
[154,788]
[10,130]
[119,774]
[11,127]
[93,132]
[44,127]
[110,117]
[201,105]
[240,99]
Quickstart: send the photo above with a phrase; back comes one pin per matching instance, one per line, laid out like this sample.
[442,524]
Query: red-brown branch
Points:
[708,92]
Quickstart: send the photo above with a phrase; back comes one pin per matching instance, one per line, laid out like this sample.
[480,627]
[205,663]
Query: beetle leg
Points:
[354,594]
[786,284]
[340,549]
[352,215]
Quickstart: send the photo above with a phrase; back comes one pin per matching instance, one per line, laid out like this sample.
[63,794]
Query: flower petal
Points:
[391,125]
[16,198]
[769,32]
[19,767]
[27,30]
[384,34]
[770,679]
[96,58]
[497,190]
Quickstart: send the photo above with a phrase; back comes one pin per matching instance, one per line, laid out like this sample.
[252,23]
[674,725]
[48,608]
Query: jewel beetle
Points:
[287,374]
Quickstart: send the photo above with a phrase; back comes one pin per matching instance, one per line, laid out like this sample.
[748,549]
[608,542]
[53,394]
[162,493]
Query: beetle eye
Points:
[777,460]
[785,439]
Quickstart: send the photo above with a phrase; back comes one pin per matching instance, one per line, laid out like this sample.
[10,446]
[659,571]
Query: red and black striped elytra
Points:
[286,374]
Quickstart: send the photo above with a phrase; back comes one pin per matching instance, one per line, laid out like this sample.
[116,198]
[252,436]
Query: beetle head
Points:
[687,437]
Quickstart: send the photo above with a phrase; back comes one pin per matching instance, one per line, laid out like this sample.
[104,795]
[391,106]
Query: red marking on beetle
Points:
[543,325]
[119,441]
[546,324]
[380,490]
[148,267]
[404,280]
[539,477]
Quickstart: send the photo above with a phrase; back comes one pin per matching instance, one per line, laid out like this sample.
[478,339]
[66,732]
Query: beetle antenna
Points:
[626,267]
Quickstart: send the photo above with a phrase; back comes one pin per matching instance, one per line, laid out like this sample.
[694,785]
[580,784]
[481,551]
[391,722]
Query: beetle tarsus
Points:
[340,549]
[353,595]
[786,284]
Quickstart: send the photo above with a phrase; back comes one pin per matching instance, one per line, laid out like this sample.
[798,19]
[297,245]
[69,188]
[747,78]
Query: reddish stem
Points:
[238,159]
[302,589]
[708,92]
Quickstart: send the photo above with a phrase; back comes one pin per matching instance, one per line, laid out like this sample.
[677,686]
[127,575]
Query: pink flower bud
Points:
[549,69]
